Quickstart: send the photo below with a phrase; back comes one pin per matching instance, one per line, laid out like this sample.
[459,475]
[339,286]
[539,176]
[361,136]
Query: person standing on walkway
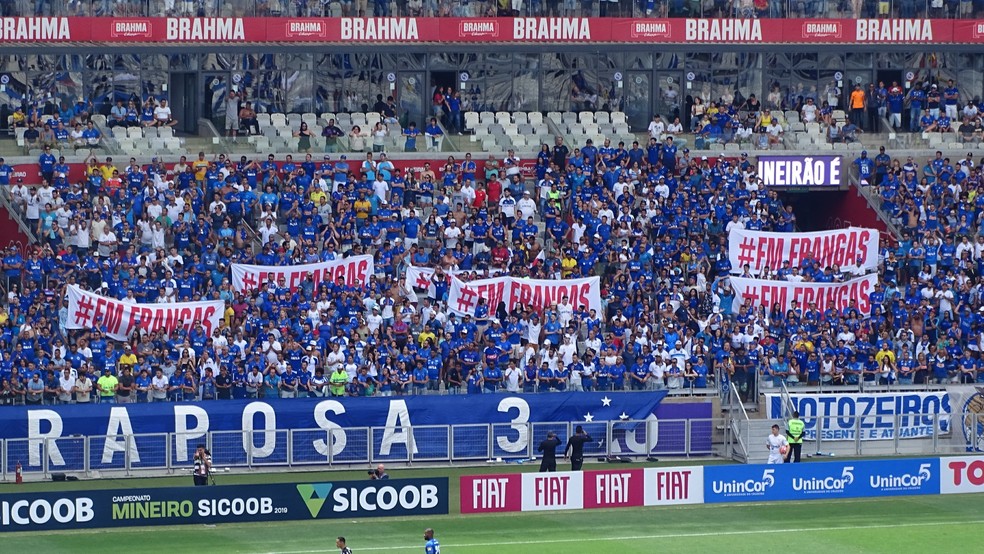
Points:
[575,447]
[794,434]
[549,449]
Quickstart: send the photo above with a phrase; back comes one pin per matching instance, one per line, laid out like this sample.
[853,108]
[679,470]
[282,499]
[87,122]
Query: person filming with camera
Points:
[203,465]
[378,474]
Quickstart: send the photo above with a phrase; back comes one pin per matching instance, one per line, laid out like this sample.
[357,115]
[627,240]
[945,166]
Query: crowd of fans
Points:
[651,222]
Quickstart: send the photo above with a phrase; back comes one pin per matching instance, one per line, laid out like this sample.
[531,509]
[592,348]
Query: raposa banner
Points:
[800,171]
[755,293]
[353,271]
[87,310]
[540,293]
[875,413]
[350,430]
[818,480]
[222,504]
[853,249]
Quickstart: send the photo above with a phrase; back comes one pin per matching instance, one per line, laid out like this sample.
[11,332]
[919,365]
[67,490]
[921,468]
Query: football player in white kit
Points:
[777,446]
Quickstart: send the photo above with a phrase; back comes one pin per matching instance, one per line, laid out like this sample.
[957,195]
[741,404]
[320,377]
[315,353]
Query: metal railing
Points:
[344,448]
[877,435]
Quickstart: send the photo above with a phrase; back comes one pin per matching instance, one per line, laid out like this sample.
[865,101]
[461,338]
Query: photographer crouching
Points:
[203,466]
[378,474]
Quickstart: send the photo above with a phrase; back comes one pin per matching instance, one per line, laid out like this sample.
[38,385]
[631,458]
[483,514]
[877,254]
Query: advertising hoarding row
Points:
[409,30]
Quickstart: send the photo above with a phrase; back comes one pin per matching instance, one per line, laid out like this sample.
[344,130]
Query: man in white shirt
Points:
[775,443]
[158,386]
[162,116]
[513,378]
[526,207]
[656,127]
[66,386]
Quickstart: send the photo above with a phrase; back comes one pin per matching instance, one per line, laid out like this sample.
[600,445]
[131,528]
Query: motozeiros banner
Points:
[222,504]
[756,293]
[854,249]
[540,293]
[87,310]
[354,271]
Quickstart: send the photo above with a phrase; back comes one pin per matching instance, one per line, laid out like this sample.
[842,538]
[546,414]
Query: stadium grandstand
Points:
[620,144]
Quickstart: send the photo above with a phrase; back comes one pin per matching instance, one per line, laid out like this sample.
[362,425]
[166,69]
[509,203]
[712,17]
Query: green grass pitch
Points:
[897,525]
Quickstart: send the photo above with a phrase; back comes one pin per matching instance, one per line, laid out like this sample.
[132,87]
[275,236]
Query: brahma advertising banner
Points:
[852,249]
[411,30]
[875,413]
[801,171]
[222,504]
[381,429]
[821,480]
[575,490]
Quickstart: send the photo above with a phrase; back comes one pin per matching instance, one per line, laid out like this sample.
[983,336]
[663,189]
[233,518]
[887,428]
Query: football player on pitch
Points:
[777,445]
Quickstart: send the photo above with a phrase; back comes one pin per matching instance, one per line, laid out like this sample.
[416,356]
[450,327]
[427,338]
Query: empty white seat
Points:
[165,132]
[503,117]
[520,118]
[278,120]
[813,128]
[99,119]
[618,117]
[556,117]
[569,117]
[603,117]
[486,117]
[586,117]
[535,118]
[372,118]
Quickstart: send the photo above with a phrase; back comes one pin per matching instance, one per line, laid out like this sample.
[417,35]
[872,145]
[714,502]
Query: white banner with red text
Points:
[852,249]
[760,292]
[576,490]
[87,310]
[420,277]
[354,271]
[463,296]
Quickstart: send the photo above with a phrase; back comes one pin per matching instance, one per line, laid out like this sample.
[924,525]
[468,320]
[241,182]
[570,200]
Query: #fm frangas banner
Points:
[420,277]
[852,249]
[755,293]
[354,271]
[120,318]
[540,293]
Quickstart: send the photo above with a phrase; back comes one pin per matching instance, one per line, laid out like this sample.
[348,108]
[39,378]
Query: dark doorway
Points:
[185,99]
[443,79]
[889,75]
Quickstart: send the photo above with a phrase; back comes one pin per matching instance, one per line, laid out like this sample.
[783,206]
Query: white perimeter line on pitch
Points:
[650,537]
